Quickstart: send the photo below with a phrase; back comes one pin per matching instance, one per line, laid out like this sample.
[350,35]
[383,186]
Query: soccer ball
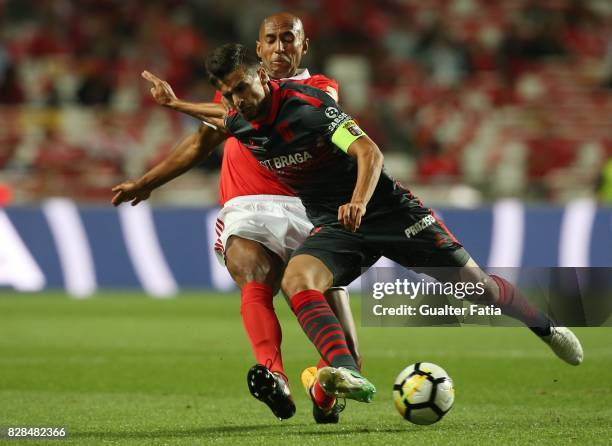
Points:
[423,393]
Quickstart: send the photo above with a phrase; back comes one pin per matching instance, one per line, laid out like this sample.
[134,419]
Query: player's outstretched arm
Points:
[369,166]
[192,150]
[163,94]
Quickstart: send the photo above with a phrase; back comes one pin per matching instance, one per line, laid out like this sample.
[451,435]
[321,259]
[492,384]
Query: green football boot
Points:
[346,383]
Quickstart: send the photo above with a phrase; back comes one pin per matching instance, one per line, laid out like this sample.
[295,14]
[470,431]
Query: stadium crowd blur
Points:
[470,100]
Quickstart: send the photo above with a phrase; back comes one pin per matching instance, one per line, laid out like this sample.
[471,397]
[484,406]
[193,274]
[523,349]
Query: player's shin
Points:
[513,304]
[561,340]
[322,328]
[262,326]
[338,300]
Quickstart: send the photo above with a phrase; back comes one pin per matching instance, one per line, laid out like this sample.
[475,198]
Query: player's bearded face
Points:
[245,91]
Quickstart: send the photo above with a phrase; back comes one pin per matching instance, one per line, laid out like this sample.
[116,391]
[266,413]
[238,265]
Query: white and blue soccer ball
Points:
[423,393]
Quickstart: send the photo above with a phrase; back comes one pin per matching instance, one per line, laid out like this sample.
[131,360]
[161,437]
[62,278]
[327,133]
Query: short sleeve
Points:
[324,83]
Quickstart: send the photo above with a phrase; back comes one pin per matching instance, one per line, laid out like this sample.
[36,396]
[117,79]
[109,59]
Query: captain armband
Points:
[346,134]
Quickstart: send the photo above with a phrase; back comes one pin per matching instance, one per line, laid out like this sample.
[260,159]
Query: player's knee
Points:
[250,262]
[305,272]
[294,282]
[245,269]
[490,291]
[487,289]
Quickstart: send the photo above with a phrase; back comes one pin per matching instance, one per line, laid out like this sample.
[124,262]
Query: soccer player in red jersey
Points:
[261,223]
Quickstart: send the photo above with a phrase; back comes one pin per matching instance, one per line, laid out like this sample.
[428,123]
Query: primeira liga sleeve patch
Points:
[346,134]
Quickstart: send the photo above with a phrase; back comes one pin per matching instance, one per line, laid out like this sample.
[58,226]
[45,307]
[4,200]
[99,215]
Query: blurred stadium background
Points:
[496,113]
[470,100]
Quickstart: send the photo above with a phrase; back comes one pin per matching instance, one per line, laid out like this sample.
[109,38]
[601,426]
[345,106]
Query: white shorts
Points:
[277,222]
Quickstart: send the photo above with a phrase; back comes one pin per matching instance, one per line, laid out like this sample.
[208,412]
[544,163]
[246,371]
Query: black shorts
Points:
[407,233]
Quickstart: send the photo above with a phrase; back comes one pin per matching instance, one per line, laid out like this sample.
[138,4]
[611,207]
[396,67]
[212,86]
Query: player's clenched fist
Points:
[130,191]
[350,214]
[161,90]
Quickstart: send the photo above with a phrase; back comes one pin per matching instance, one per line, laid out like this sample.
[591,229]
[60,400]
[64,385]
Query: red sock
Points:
[322,328]
[322,399]
[514,304]
[262,326]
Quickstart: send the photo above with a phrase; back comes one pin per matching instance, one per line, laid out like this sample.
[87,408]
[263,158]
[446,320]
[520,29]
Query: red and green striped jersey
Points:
[241,174]
[304,141]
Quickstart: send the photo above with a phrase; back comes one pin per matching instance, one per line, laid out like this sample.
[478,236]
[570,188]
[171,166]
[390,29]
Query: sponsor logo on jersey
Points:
[423,223]
[338,121]
[331,112]
[279,162]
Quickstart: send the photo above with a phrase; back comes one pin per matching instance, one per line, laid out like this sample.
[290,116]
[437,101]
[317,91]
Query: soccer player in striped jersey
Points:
[337,171]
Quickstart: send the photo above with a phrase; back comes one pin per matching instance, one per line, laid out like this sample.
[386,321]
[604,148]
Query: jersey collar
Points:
[301,75]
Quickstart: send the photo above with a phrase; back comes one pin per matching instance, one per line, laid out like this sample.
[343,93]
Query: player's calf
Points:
[501,293]
[322,328]
[562,341]
[261,325]
[338,300]
[513,304]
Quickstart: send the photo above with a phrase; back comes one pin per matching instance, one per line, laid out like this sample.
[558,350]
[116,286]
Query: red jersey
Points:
[241,173]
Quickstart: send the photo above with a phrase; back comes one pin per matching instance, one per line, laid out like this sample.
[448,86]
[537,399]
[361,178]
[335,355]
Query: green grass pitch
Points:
[123,369]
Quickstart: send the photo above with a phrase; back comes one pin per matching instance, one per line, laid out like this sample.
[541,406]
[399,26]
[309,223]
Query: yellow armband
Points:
[346,134]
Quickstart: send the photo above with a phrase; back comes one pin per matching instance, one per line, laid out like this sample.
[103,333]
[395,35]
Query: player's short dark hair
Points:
[227,58]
